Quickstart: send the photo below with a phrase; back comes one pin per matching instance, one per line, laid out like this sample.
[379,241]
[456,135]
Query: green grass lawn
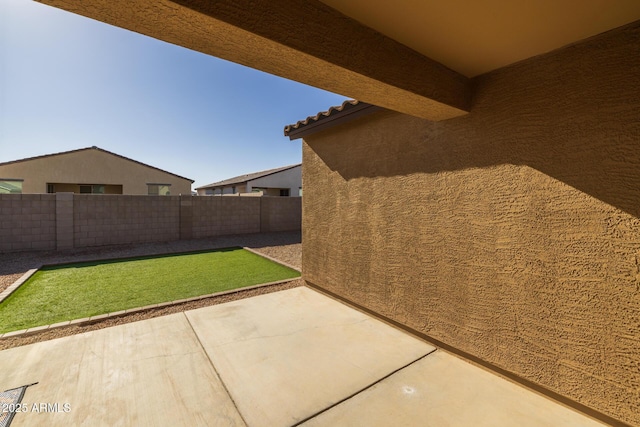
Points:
[74,291]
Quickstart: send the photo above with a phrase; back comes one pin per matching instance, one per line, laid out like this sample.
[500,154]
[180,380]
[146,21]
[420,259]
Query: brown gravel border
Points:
[13,287]
[282,247]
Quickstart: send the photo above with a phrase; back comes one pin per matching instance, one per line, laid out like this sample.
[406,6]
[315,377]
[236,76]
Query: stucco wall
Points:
[90,167]
[511,234]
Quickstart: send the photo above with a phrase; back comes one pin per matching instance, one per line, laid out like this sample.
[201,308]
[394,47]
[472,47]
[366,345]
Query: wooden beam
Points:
[307,41]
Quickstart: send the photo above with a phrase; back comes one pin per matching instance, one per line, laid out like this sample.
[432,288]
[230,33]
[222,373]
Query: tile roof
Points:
[349,110]
[93,148]
[248,177]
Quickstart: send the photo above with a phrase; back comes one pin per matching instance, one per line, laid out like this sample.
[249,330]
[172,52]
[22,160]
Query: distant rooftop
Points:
[92,148]
[248,177]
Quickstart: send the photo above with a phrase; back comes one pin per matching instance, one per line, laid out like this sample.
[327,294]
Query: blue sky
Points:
[68,82]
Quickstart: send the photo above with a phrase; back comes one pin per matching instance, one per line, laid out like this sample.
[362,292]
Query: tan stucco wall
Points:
[90,167]
[511,234]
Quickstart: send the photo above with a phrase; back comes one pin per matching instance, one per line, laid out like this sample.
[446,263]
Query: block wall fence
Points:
[66,220]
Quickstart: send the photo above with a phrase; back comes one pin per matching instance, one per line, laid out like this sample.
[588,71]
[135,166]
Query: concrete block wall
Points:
[67,221]
[281,213]
[217,216]
[64,221]
[117,219]
[27,222]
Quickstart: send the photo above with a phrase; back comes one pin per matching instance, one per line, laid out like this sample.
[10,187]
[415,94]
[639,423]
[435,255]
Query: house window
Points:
[90,189]
[11,186]
[233,189]
[51,188]
[284,192]
[158,189]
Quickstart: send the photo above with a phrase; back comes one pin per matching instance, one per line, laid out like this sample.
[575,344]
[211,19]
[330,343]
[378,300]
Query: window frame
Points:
[158,186]
[8,180]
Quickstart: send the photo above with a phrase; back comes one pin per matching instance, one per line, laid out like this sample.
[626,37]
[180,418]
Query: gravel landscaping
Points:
[284,247]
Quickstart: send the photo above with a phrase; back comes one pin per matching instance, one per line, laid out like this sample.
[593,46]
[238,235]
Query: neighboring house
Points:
[285,182]
[88,170]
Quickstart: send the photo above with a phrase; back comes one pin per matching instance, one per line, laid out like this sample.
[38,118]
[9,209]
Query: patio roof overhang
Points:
[417,58]
[308,42]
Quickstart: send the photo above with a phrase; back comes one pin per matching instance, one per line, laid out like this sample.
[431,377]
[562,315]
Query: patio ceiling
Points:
[475,37]
[412,56]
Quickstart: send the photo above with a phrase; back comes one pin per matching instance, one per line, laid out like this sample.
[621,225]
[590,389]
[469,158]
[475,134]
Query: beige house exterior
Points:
[285,181]
[89,170]
[493,208]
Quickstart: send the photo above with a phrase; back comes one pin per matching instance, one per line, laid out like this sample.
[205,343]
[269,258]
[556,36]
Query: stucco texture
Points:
[511,234]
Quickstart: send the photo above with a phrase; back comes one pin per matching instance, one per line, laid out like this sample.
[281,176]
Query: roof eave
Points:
[335,119]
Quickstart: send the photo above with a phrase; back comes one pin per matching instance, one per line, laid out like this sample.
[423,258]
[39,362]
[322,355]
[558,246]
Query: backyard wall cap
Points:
[349,110]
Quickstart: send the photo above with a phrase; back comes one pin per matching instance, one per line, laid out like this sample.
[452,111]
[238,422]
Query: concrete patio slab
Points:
[288,355]
[280,359]
[442,390]
[152,372]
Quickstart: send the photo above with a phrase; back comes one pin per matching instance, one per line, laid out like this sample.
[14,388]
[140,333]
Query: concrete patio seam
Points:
[363,389]
[98,317]
[224,385]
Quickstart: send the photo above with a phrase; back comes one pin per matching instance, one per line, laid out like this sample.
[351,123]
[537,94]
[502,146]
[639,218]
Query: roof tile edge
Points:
[350,109]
